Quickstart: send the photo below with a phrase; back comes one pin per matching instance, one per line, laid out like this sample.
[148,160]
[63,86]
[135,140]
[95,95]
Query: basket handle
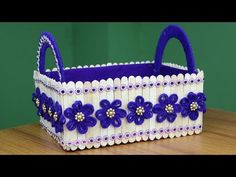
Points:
[174,31]
[47,41]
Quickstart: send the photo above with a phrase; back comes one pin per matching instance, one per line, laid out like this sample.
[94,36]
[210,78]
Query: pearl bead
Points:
[193,106]
[169,108]
[37,102]
[110,113]
[79,117]
[140,110]
[49,112]
[44,108]
[55,116]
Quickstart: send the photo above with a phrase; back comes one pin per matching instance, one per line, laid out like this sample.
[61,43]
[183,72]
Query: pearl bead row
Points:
[122,87]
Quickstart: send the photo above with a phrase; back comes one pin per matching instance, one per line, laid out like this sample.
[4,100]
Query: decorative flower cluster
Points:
[49,110]
[80,116]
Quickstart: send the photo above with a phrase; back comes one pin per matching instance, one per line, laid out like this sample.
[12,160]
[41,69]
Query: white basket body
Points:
[150,88]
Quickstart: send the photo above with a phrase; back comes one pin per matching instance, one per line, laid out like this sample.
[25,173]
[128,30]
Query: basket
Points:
[100,105]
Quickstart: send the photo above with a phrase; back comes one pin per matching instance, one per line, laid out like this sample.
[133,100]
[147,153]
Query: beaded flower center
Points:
[110,113]
[193,106]
[50,112]
[55,116]
[79,117]
[140,110]
[44,108]
[37,102]
[169,108]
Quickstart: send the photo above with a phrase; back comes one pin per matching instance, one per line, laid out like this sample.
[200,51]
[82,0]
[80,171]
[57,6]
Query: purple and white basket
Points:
[99,105]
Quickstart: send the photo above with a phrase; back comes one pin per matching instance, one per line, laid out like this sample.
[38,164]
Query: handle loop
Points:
[174,31]
[47,41]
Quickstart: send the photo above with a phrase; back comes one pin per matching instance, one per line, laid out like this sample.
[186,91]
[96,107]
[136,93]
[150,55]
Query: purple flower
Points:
[57,118]
[192,104]
[80,117]
[43,105]
[167,108]
[49,108]
[36,98]
[139,110]
[110,114]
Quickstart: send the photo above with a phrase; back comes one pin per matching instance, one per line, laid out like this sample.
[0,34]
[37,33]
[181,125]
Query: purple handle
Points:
[47,41]
[173,31]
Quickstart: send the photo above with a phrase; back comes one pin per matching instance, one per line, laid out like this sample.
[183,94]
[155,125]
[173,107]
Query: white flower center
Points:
[193,106]
[110,113]
[79,117]
[169,108]
[49,112]
[37,102]
[44,108]
[140,110]
[55,116]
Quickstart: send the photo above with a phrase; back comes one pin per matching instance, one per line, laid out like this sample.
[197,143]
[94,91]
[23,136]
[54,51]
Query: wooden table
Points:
[218,137]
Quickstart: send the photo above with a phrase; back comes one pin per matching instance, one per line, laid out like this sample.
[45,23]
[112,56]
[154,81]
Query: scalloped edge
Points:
[38,77]
[72,146]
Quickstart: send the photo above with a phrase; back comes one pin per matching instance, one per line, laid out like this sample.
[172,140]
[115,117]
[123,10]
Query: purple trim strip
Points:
[174,31]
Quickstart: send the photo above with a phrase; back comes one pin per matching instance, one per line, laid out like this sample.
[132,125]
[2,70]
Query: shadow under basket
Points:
[100,105]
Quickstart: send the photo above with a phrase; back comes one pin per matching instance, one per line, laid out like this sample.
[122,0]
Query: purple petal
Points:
[139,120]
[184,102]
[90,121]
[62,119]
[163,98]
[116,122]
[192,96]
[77,106]
[100,114]
[121,113]
[132,106]
[71,125]
[160,118]
[177,108]
[171,117]
[105,123]
[82,128]
[53,123]
[185,112]
[201,106]
[193,115]
[58,108]
[69,113]
[116,104]
[147,106]
[105,104]
[158,109]
[201,97]
[88,109]
[139,100]
[173,98]
[148,114]
[37,91]
[58,128]
[131,116]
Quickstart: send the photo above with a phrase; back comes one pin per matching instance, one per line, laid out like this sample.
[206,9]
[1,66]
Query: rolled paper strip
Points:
[174,31]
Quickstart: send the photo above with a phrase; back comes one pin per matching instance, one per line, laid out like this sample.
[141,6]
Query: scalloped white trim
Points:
[72,146]
[58,86]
